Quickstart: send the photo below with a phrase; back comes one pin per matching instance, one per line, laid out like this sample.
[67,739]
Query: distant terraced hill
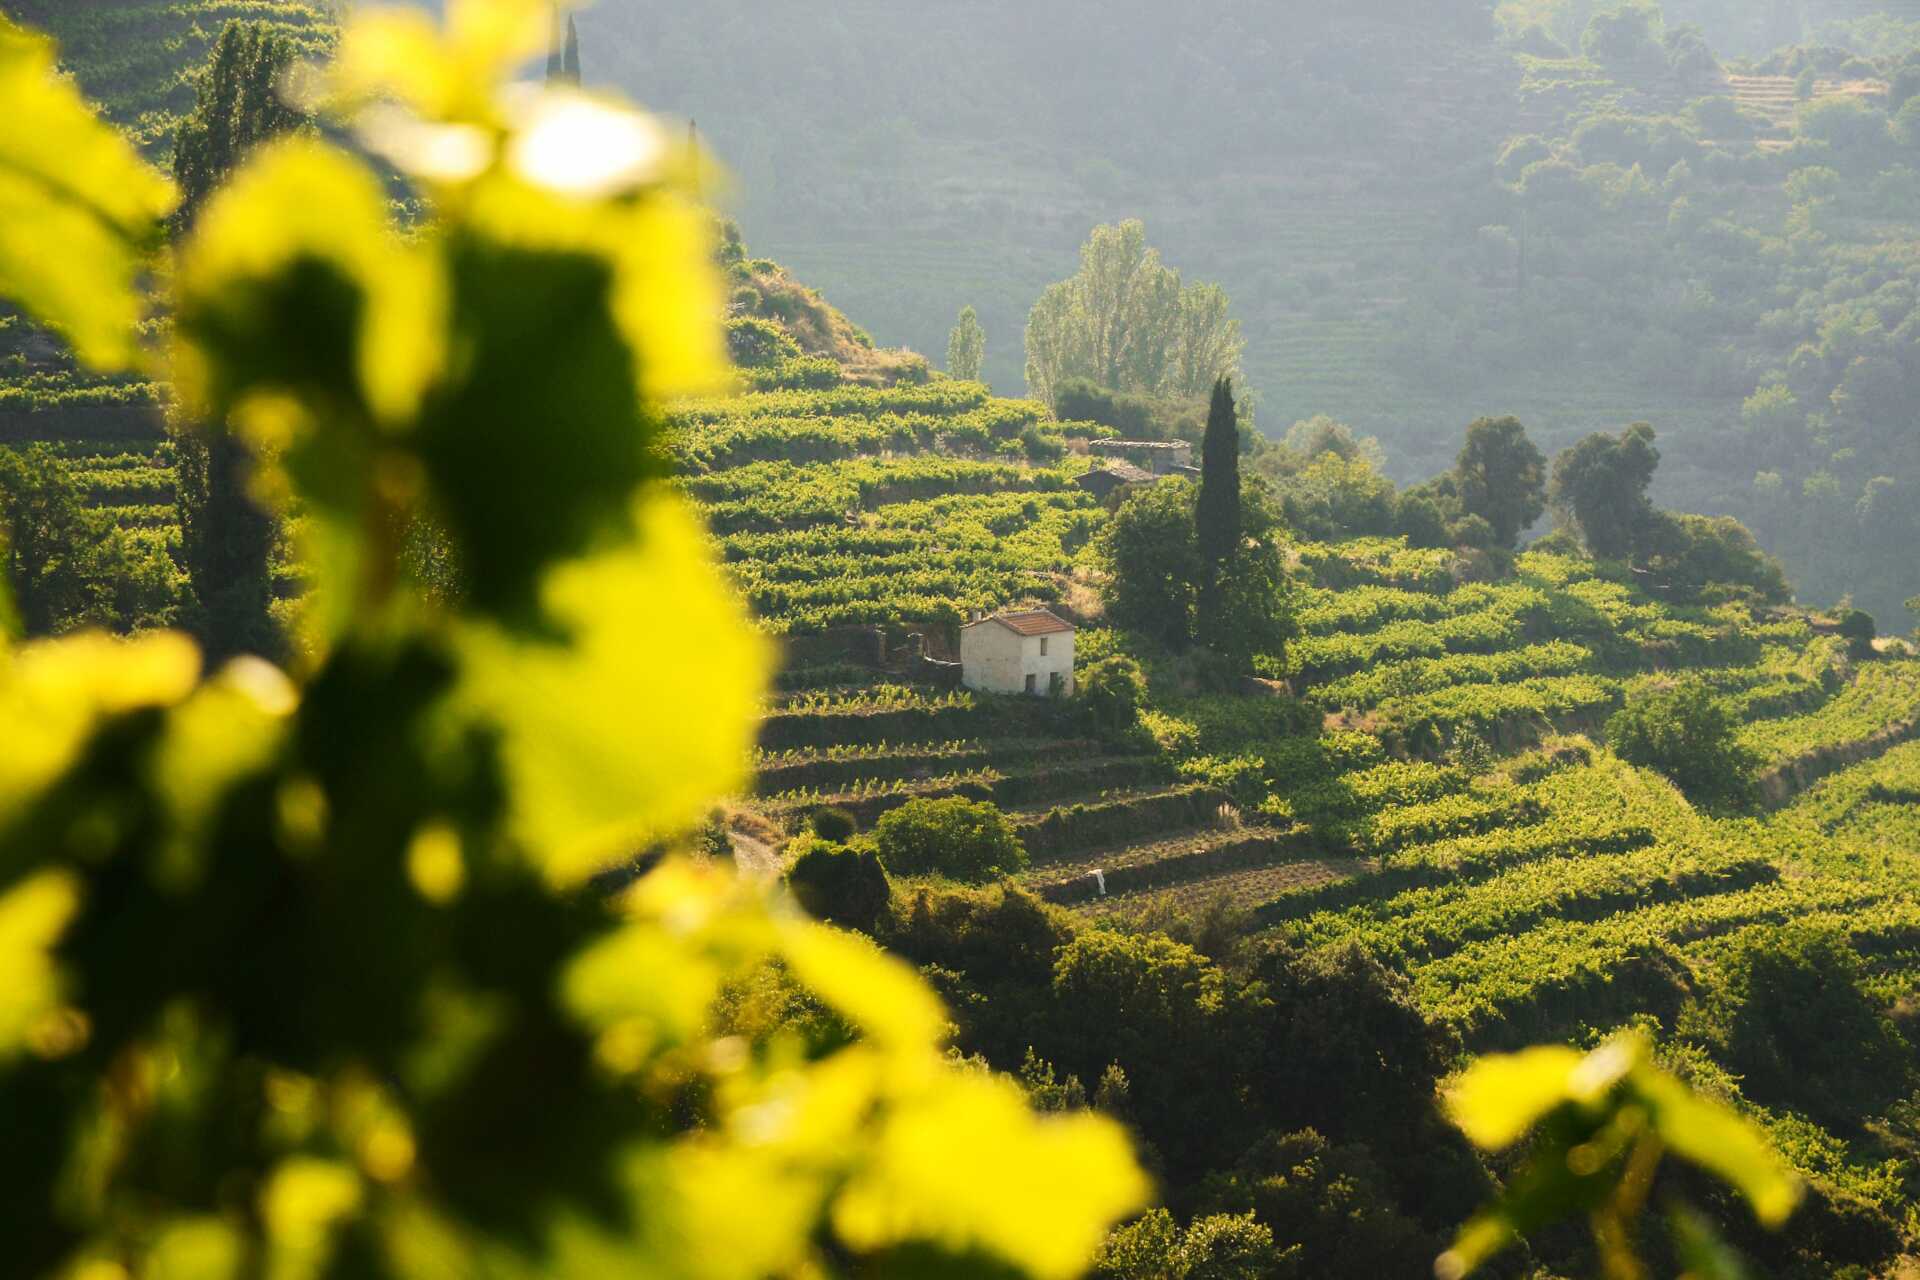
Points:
[138,58]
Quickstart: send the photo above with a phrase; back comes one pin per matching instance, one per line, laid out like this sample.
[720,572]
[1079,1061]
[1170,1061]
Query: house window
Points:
[1056,684]
[1043,646]
[1033,683]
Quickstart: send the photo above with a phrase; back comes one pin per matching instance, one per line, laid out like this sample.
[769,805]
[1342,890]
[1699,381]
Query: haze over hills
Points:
[1335,168]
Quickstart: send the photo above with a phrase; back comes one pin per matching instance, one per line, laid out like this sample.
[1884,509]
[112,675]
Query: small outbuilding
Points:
[1158,456]
[1025,652]
[1102,482]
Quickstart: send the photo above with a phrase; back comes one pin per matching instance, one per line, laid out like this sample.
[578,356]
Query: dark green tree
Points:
[238,107]
[1689,735]
[1216,512]
[48,537]
[570,64]
[1501,477]
[843,885]
[1152,561]
[67,566]
[226,537]
[1788,1009]
[1600,484]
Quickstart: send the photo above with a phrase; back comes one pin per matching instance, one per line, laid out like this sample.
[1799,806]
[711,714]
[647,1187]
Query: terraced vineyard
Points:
[1451,811]
[137,58]
[906,507]
[1453,814]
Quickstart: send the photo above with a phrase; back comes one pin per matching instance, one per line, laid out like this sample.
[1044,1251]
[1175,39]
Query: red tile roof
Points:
[1036,622]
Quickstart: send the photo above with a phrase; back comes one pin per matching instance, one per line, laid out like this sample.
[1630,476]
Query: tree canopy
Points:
[1501,477]
[1126,321]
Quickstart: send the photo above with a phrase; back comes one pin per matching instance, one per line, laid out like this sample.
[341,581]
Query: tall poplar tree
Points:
[226,537]
[1216,515]
[967,346]
[1126,321]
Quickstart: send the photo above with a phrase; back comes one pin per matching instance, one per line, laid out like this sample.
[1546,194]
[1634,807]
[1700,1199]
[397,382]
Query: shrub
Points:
[1040,447]
[1858,630]
[832,824]
[1688,735]
[754,343]
[1134,416]
[1111,692]
[838,883]
[1333,1203]
[1786,1010]
[966,840]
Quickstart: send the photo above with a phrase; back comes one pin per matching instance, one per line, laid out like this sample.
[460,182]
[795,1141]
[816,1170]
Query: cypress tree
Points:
[570,67]
[1216,514]
[226,538]
[556,66]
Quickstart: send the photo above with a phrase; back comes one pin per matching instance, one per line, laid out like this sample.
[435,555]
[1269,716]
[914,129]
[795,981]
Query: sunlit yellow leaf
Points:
[626,734]
[668,298]
[1719,1141]
[79,209]
[33,915]
[195,1249]
[230,727]
[642,987]
[304,1198]
[446,74]
[762,1208]
[1502,1096]
[969,1166]
[882,997]
[53,692]
[241,305]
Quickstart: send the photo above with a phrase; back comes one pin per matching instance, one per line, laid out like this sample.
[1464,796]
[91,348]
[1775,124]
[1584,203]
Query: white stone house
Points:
[1028,652]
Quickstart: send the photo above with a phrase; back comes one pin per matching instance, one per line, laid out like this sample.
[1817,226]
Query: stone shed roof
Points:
[1033,622]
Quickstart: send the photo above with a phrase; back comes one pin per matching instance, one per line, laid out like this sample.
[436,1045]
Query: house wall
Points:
[994,659]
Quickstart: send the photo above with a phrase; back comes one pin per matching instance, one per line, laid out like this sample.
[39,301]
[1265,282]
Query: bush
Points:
[1135,417]
[1857,628]
[754,343]
[838,883]
[1786,1010]
[1685,733]
[1041,447]
[966,840]
[1712,557]
[1111,692]
[832,824]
